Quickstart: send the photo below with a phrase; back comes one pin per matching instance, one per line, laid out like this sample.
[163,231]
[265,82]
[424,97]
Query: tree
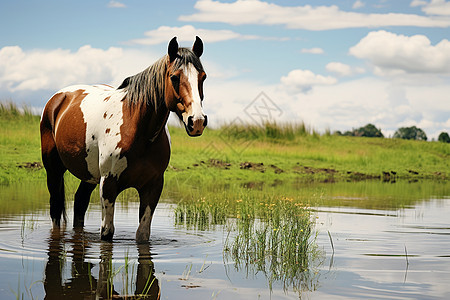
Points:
[444,137]
[368,131]
[410,133]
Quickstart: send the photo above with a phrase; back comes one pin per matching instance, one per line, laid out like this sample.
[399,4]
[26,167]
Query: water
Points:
[402,254]
[386,246]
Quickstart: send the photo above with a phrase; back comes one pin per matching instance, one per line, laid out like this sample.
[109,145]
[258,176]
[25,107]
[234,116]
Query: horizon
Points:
[333,66]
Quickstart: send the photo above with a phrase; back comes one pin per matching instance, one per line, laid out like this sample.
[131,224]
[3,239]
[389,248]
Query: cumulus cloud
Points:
[313,50]
[394,53]
[354,103]
[342,69]
[434,7]
[116,4]
[358,4]
[187,33]
[305,80]
[302,17]
[53,69]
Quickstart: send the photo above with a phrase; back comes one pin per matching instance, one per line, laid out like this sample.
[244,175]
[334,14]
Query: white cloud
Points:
[327,104]
[358,4]
[391,53]
[302,17]
[343,69]
[434,7]
[53,69]
[116,4]
[305,80]
[416,3]
[313,50]
[387,104]
[187,33]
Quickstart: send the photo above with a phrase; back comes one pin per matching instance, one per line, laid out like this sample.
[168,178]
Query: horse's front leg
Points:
[108,195]
[149,197]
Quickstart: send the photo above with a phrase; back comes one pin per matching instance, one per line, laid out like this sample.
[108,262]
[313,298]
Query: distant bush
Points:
[367,131]
[410,133]
[444,137]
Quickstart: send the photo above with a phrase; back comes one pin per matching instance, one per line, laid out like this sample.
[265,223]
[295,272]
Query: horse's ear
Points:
[173,49]
[198,47]
[125,83]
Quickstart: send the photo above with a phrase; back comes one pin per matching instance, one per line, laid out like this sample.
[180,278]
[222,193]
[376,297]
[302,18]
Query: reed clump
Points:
[264,233]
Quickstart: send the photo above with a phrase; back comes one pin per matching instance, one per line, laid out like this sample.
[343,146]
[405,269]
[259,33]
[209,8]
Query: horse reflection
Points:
[82,283]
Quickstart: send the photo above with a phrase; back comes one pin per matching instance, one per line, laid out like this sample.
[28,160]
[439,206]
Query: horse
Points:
[118,138]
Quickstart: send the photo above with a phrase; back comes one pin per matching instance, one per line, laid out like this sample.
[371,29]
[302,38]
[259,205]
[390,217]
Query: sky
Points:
[334,65]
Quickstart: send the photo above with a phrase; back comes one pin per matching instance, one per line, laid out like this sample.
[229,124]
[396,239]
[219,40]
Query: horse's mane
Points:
[148,86]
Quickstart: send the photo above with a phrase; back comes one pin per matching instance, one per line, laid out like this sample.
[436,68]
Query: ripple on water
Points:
[31,236]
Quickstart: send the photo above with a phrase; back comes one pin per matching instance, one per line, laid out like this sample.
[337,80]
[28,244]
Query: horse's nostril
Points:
[205,123]
[190,124]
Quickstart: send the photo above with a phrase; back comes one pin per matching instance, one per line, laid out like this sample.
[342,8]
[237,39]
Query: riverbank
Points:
[270,154]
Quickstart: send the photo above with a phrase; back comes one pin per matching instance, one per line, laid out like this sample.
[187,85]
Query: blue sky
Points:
[333,64]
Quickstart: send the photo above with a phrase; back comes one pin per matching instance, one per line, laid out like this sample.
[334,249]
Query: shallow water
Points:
[383,249]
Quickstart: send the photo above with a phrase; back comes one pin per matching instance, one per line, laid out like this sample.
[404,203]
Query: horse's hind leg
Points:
[55,174]
[55,183]
[82,197]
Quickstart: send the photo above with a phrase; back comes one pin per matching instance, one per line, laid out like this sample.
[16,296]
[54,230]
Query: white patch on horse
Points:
[102,113]
[107,212]
[143,231]
[196,107]
[107,217]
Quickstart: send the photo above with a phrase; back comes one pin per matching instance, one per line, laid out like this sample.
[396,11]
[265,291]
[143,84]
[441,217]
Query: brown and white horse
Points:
[118,138]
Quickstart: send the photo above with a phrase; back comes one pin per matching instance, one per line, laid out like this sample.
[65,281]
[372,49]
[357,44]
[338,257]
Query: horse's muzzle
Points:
[195,127]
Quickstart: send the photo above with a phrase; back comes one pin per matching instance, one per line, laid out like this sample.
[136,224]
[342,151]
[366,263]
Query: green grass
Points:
[298,155]
[265,232]
[19,144]
[289,152]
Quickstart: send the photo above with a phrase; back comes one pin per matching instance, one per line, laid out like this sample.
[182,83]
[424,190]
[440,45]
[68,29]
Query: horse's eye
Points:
[175,83]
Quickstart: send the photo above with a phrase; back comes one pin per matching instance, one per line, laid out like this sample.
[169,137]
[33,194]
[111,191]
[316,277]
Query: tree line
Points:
[407,133]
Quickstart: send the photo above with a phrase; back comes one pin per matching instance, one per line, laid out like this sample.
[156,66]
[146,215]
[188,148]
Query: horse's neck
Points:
[155,121]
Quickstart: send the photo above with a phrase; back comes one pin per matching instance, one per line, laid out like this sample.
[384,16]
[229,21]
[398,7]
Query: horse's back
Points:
[67,120]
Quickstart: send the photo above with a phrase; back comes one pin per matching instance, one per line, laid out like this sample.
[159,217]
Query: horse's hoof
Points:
[107,235]
[78,223]
[142,238]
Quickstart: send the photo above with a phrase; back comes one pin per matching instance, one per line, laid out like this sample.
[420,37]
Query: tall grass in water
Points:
[274,236]
[265,233]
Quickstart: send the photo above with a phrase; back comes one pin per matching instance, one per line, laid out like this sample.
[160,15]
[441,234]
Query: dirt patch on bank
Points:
[312,170]
[253,166]
[217,163]
[31,165]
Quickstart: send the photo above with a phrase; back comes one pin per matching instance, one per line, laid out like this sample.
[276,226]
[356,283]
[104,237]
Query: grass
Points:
[289,152]
[274,238]
[19,144]
[266,233]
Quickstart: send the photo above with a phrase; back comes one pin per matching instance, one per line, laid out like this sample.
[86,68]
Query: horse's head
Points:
[184,86]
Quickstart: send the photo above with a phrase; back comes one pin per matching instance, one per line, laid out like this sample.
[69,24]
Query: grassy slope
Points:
[300,156]
[19,143]
[309,157]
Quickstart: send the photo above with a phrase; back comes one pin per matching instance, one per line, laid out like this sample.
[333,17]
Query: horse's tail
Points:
[51,160]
